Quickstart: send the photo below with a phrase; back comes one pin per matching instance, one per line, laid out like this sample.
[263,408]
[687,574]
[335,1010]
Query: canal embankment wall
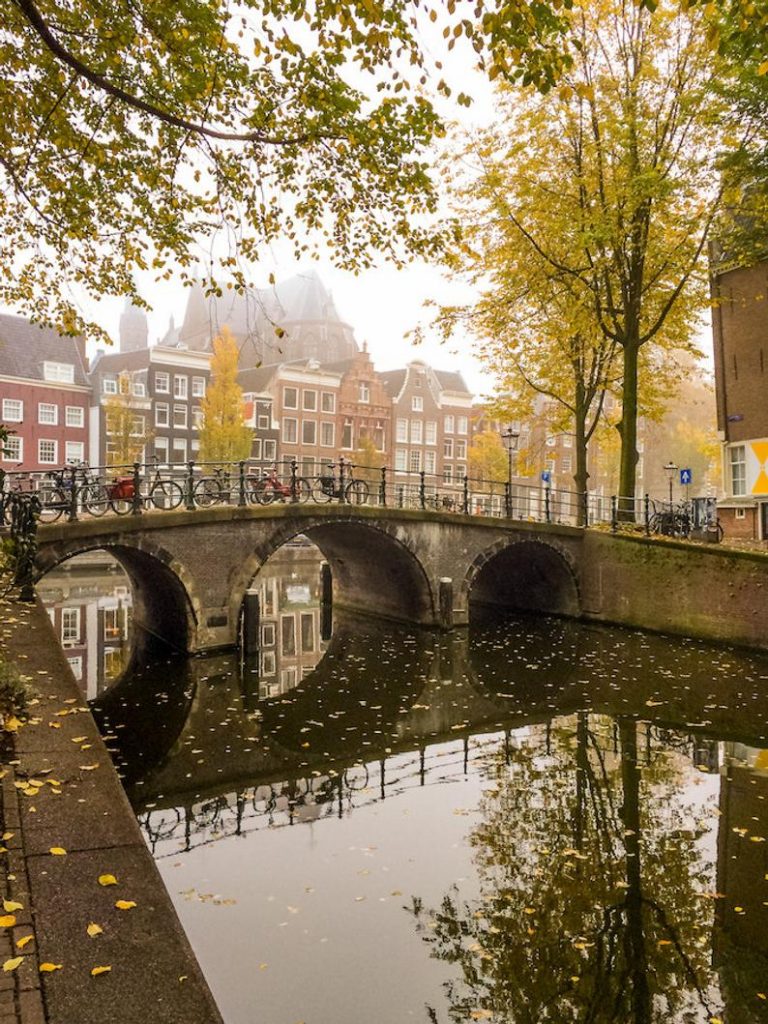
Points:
[67,824]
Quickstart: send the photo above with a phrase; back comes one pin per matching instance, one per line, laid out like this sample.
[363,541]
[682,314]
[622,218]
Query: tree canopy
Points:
[138,135]
[224,435]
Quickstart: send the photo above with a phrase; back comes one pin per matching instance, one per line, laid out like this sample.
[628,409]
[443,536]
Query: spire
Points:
[134,329]
[195,331]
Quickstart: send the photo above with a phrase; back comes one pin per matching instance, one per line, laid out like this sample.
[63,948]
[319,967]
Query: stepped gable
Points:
[25,346]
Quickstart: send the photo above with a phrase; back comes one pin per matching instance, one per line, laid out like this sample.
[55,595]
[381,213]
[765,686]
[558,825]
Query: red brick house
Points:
[44,396]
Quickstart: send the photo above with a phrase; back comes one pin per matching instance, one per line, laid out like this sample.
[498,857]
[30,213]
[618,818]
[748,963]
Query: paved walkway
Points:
[65,823]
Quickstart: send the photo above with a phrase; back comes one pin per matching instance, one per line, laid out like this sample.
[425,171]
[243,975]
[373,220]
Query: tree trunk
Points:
[628,432]
[581,476]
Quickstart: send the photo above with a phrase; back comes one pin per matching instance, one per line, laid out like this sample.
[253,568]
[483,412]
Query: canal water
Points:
[537,821]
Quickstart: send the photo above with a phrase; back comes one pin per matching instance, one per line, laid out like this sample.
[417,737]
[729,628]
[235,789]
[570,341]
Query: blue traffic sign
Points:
[686,477]
[546,476]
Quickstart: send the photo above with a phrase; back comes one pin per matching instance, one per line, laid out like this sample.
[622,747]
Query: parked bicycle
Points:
[346,488]
[56,492]
[271,488]
[213,489]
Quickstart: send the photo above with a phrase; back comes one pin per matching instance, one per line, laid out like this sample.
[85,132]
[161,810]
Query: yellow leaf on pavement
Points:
[46,968]
[10,905]
[22,942]
[8,921]
[94,930]
[107,880]
[125,904]
[95,971]
[58,851]
[11,965]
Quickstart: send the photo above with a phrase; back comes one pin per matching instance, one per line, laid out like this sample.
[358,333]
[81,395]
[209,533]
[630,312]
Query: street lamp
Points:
[509,438]
[670,469]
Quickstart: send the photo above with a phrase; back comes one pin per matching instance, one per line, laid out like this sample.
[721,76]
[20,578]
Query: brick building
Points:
[44,396]
[740,336]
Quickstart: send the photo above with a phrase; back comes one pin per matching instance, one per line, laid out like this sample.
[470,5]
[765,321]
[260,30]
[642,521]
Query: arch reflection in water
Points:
[89,601]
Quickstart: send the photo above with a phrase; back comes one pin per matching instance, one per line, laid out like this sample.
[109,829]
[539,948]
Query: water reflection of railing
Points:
[305,800]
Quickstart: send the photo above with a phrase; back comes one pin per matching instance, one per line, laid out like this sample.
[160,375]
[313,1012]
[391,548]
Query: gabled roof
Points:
[25,346]
[393,380]
[450,381]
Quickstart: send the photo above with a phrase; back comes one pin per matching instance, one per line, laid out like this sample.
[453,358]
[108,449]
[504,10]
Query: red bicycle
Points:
[271,488]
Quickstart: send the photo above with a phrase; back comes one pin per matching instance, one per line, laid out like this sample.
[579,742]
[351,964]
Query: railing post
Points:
[465,501]
[647,513]
[342,480]
[422,489]
[383,487]
[585,498]
[136,500]
[547,507]
[614,516]
[72,514]
[189,496]
[508,498]
[241,484]
[294,478]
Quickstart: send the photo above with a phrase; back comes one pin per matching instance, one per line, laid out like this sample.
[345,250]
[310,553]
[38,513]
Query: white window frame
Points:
[74,416]
[401,430]
[430,432]
[461,449]
[309,427]
[737,458]
[270,449]
[109,385]
[70,627]
[417,403]
[71,457]
[61,373]
[364,392]
[448,424]
[401,459]
[417,431]
[295,430]
[286,403]
[462,425]
[162,383]
[180,386]
[14,449]
[198,387]
[51,441]
[327,401]
[324,430]
[10,417]
[180,416]
[162,414]
[429,461]
[309,395]
[48,414]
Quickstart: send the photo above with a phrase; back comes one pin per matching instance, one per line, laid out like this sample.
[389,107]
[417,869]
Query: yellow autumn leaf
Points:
[8,921]
[95,971]
[46,968]
[125,904]
[7,835]
[10,905]
[13,963]
[763,68]
[58,851]
[94,930]
[22,942]
[107,880]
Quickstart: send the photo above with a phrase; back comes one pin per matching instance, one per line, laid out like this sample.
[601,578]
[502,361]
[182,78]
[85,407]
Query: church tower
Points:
[134,329]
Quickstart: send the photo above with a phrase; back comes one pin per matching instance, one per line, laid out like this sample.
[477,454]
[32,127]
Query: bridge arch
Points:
[524,575]
[165,607]
[375,570]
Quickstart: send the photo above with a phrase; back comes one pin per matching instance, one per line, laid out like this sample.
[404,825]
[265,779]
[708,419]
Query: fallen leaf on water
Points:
[94,930]
[46,968]
[58,851]
[125,904]
[22,942]
[88,767]
[12,964]
[95,971]
[481,1015]
[107,880]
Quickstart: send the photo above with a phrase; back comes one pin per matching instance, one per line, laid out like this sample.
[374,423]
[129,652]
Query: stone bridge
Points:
[190,570]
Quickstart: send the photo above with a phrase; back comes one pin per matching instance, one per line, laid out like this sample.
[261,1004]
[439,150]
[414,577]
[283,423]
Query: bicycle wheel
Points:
[121,506]
[357,492]
[263,492]
[322,490]
[52,504]
[94,499]
[303,489]
[166,494]
[207,492]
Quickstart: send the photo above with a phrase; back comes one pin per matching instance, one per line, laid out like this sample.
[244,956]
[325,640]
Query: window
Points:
[417,431]
[109,385]
[140,389]
[138,426]
[290,398]
[288,637]
[180,416]
[566,464]
[113,624]
[179,450]
[462,425]
[448,448]
[327,434]
[180,387]
[461,471]
[161,449]
[448,424]
[738,470]
[268,634]
[162,383]
[402,430]
[417,403]
[551,441]
[549,465]
[414,460]
[378,438]
[431,432]
[290,430]
[74,451]
[197,418]
[47,413]
[568,442]
[194,446]
[76,667]
[270,450]
[401,459]
[256,448]
[70,626]
[461,449]
[741,513]
[268,666]
[13,410]
[328,401]
[162,413]
[447,474]
[198,387]
[63,373]
[309,432]
[346,434]
[429,461]
[364,392]
[47,452]
[14,449]
[263,422]
[309,399]
[307,633]
[74,416]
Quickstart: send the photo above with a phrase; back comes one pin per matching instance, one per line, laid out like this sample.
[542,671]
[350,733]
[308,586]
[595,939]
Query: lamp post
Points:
[670,469]
[509,438]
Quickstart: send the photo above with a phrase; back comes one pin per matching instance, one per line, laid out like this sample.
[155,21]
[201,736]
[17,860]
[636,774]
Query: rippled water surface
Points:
[539,821]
